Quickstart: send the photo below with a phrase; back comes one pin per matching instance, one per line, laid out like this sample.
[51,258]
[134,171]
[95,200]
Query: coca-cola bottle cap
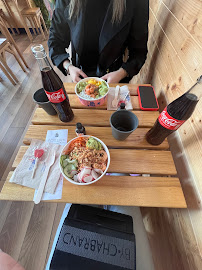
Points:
[122,106]
[78,125]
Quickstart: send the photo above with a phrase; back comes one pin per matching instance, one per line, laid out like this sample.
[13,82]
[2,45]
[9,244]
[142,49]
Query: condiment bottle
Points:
[80,129]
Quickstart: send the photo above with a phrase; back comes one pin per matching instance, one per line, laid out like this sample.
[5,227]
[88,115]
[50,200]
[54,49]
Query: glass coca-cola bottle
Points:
[53,86]
[175,114]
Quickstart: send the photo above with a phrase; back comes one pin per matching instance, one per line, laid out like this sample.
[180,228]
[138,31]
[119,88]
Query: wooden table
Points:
[159,188]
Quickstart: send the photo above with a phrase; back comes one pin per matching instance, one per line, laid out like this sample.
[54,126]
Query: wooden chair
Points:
[6,21]
[5,46]
[8,36]
[8,45]
[35,17]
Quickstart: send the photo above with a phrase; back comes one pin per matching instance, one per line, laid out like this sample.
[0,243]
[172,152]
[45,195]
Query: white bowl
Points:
[84,184]
[95,102]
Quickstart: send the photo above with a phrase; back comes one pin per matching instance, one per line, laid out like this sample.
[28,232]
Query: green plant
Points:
[41,5]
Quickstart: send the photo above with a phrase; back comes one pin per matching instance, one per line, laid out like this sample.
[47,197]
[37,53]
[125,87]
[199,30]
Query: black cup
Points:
[41,99]
[123,123]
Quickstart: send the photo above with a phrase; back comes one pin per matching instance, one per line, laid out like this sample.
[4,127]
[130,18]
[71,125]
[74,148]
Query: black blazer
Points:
[131,33]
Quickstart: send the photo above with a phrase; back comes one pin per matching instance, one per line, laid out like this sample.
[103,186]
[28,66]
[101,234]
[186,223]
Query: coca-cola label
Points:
[56,97]
[168,121]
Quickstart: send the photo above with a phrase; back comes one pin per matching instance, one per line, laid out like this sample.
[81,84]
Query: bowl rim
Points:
[89,78]
[85,184]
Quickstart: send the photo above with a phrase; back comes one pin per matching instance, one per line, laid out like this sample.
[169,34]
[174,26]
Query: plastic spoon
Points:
[37,153]
[115,100]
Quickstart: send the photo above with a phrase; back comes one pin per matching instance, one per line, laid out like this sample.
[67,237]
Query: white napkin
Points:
[23,173]
[58,137]
[122,94]
[57,194]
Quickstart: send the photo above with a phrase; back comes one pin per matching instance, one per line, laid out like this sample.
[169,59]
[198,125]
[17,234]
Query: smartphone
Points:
[147,98]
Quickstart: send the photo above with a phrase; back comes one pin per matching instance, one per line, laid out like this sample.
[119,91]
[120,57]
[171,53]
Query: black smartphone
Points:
[147,98]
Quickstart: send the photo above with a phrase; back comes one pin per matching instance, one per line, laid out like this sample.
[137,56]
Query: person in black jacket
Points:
[100,31]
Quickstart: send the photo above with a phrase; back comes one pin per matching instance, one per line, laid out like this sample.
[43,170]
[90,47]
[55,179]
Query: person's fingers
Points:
[74,79]
[77,79]
[8,263]
[104,77]
[109,80]
[82,74]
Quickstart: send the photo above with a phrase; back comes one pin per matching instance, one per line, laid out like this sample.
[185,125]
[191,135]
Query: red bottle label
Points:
[168,121]
[56,97]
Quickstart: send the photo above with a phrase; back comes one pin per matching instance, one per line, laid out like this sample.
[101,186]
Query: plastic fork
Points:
[43,180]
[115,101]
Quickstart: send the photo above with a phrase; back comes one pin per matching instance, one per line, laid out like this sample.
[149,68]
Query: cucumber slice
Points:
[73,161]
[67,170]
[62,158]
[65,163]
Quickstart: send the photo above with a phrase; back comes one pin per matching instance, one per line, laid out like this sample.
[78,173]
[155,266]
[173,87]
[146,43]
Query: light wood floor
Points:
[26,230]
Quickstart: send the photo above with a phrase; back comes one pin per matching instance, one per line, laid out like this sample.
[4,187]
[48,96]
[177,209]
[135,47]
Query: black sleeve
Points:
[59,36]
[138,37]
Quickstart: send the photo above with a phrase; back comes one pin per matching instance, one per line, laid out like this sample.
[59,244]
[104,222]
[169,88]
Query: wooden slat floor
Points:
[24,227]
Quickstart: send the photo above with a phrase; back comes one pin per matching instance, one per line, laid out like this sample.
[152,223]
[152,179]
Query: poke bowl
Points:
[92,91]
[84,160]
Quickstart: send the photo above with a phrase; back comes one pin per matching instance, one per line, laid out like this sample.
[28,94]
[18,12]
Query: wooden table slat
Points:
[139,191]
[87,117]
[131,161]
[135,140]
[76,104]
[70,87]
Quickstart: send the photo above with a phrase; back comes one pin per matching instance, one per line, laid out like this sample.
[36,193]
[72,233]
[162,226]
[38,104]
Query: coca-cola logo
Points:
[56,97]
[168,121]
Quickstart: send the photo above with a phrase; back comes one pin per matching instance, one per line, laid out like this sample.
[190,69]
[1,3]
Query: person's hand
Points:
[115,76]
[8,263]
[75,73]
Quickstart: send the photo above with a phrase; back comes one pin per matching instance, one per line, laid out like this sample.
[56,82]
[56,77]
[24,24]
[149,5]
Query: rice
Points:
[83,95]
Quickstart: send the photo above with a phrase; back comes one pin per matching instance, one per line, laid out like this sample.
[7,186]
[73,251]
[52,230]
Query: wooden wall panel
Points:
[192,129]
[187,13]
[170,69]
[174,62]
